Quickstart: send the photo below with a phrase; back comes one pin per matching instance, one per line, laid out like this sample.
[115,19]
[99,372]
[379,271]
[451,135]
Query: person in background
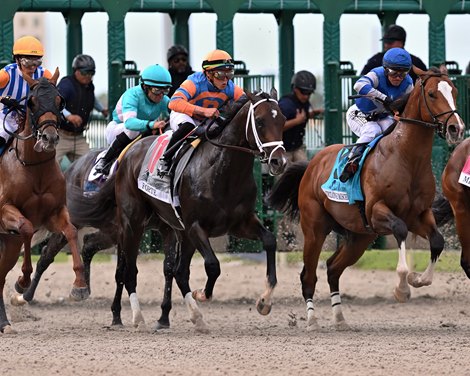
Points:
[27,53]
[369,118]
[178,66]
[200,97]
[142,108]
[394,37]
[79,94]
[297,109]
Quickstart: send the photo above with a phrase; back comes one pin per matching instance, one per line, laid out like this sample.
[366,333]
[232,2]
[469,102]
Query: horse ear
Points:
[418,72]
[31,82]
[273,93]
[55,76]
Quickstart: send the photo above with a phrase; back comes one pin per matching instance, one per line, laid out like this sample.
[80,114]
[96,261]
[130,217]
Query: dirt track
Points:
[427,336]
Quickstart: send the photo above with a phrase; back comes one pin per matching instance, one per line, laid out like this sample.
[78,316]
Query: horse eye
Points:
[431,94]
[259,123]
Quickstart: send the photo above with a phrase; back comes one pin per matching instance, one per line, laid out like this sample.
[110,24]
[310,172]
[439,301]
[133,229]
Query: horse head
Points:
[437,104]
[44,106]
[264,128]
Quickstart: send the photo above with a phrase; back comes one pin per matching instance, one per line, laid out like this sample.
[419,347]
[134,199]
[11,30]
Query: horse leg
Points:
[254,229]
[182,279]
[119,278]
[169,272]
[350,250]
[462,219]
[427,228]
[383,221]
[55,243]
[211,263]
[10,251]
[316,225]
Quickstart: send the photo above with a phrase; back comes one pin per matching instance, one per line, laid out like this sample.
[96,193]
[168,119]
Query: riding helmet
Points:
[83,62]
[397,58]
[217,59]
[177,49]
[304,80]
[156,75]
[29,46]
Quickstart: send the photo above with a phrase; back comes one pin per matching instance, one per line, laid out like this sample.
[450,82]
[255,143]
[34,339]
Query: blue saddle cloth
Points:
[350,191]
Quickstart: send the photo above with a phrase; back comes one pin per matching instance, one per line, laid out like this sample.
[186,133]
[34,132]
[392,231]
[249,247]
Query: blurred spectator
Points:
[79,93]
[178,66]
[395,36]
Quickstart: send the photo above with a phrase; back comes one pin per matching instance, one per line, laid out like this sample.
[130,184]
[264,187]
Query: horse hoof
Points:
[401,296]
[262,307]
[201,327]
[17,300]
[18,288]
[342,326]
[161,325]
[117,322]
[199,296]
[8,330]
[79,293]
[414,279]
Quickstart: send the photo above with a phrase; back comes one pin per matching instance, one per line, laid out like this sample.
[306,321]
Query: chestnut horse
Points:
[398,186]
[217,195]
[106,237]
[456,202]
[32,191]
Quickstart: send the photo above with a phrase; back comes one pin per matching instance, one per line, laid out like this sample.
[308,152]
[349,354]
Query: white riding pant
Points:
[366,130]
[177,118]
[114,128]
[10,123]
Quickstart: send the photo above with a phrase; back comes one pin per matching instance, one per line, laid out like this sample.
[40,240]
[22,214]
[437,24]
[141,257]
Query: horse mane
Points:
[234,107]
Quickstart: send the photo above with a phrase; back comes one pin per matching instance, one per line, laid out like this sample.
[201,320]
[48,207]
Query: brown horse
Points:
[456,202]
[32,191]
[398,187]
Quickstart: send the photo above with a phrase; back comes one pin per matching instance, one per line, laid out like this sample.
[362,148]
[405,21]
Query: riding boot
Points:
[104,164]
[165,161]
[352,164]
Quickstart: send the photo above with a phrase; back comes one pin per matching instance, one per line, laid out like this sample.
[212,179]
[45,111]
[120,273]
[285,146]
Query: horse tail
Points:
[96,210]
[285,192]
[442,210]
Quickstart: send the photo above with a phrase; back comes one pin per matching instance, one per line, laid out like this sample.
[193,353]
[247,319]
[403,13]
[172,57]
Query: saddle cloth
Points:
[464,178]
[349,191]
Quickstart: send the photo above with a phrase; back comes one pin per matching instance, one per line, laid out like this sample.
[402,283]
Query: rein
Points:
[250,119]
[439,126]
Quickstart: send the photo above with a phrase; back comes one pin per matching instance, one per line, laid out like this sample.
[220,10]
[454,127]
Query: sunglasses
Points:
[396,73]
[87,73]
[158,90]
[177,60]
[29,62]
[305,92]
[221,75]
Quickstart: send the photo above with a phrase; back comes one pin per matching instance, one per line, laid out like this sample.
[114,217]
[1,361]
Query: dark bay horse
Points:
[398,187]
[32,191]
[217,195]
[106,236]
[456,202]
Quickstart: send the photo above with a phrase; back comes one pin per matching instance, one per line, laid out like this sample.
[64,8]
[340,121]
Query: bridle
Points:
[439,126]
[251,125]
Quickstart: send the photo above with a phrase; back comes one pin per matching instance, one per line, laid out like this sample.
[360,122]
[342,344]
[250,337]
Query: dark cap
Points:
[393,33]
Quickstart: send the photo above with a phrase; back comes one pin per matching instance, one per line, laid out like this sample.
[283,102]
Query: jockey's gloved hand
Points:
[10,102]
[387,103]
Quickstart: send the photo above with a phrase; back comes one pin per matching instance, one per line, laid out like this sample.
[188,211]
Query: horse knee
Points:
[399,230]
[465,266]
[212,268]
[436,242]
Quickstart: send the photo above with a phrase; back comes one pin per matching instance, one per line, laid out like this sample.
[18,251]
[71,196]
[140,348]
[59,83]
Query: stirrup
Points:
[103,167]
[164,168]
[348,171]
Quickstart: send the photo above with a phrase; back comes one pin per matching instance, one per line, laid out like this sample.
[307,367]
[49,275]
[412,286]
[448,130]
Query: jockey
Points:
[199,98]
[140,109]
[370,116]
[27,53]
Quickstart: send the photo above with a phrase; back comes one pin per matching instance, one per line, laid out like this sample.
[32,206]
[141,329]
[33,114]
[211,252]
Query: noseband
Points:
[251,124]
[439,126]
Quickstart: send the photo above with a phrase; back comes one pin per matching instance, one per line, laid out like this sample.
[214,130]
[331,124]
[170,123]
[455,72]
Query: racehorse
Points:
[456,202]
[217,195]
[32,191]
[106,236]
[398,187]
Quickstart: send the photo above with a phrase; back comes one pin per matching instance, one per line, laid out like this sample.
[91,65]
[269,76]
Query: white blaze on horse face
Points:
[446,91]
[274,113]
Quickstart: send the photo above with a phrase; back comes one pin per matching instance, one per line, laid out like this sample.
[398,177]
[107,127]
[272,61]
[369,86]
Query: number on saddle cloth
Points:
[349,191]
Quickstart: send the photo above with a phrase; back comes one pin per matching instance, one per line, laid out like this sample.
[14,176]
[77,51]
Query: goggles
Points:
[87,73]
[396,73]
[223,74]
[29,62]
[159,90]
[305,92]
